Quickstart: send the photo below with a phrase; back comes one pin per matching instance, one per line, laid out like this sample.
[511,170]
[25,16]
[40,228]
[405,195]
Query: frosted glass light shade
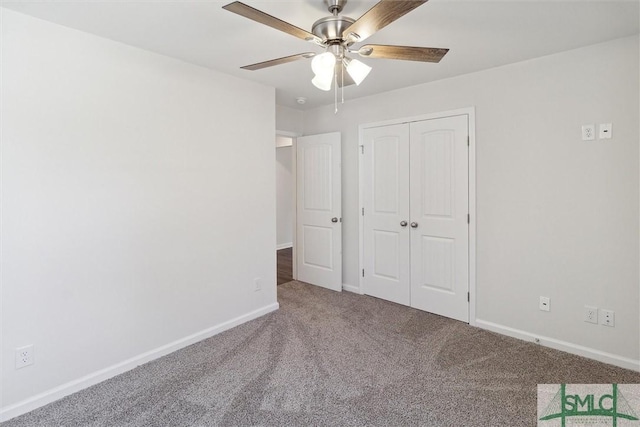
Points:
[357,70]
[323,64]
[323,81]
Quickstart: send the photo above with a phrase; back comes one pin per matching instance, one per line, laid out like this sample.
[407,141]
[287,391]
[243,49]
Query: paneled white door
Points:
[386,207]
[439,169]
[319,210]
[415,207]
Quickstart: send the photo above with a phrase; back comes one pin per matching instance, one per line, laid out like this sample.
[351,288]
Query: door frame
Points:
[294,218]
[471,113]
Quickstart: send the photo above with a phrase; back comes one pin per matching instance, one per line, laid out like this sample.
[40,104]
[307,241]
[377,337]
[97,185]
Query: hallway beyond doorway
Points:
[285,265]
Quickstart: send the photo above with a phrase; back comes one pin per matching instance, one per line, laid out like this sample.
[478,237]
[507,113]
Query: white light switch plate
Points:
[545,304]
[605,131]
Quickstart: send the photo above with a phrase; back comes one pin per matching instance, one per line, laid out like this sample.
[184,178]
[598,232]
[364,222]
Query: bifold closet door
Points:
[439,169]
[386,213]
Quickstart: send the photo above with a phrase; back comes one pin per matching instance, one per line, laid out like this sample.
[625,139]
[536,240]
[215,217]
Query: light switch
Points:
[605,131]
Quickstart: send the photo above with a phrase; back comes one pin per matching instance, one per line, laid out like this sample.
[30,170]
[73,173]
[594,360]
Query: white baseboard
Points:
[284,246]
[71,387]
[351,288]
[601,356]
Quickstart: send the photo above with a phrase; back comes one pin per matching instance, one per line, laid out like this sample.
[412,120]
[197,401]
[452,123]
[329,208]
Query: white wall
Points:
[289,120]
[128,181]
[284,196]
[556,216]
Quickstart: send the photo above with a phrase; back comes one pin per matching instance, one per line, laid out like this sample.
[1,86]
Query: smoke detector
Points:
[301,100]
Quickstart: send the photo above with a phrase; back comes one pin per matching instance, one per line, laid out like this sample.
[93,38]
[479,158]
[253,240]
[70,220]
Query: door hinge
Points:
[362,211]
[363,272]
[468,143]
[362,149]
[468,297]
[468,218]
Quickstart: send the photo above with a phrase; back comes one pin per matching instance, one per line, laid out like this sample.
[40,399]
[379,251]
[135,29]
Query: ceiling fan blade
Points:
[378,17]
[278,61]
[408,53]
[271,21]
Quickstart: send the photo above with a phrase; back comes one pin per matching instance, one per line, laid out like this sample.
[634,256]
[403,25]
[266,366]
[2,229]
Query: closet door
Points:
[386,213]
[439,207]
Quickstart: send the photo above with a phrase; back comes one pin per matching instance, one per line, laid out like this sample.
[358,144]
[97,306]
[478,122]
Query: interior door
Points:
[386,213]
[439,191]
[319,210]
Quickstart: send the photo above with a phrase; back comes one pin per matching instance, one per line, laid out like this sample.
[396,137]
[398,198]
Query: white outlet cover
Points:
[588,132]
[24,356]
[591,314]
[607,317]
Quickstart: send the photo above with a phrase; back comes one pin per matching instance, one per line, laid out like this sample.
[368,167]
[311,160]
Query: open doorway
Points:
[285,205]
[308,209]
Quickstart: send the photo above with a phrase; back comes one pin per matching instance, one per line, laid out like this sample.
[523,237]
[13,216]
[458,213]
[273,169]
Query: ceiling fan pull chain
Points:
[342,77]
[335,89]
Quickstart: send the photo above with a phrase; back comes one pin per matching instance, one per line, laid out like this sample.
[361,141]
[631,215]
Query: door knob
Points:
[403,223]
[334,219]
[414,225]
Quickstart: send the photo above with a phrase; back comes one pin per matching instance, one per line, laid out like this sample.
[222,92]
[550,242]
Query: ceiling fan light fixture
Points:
[323,64]
[323,67]
[357,70]
[323,82]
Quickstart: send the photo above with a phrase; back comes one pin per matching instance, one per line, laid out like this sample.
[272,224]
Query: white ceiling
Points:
[480,33]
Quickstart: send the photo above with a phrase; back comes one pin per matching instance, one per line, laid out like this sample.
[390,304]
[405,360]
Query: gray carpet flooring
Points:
[333,359]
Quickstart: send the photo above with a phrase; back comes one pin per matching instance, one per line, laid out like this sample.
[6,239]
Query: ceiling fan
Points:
[336,34]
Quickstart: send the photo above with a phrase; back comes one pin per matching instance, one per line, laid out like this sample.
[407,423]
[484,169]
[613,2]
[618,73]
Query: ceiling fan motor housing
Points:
[330,29]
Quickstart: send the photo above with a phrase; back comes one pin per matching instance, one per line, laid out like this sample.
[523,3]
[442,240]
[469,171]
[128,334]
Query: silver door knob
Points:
[414,225]
[403,223]
[334,219]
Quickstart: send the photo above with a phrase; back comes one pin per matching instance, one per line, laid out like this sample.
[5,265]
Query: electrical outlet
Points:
[591,314]
[588,132]
[257,285]
[24,356]
[545,304]
[607,317]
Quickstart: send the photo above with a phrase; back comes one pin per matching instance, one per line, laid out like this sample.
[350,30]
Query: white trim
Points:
[293,136]
[351,288]
[601,356]
[294,213]
[63,390]
[471,113]
[360,207]
[287,133]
